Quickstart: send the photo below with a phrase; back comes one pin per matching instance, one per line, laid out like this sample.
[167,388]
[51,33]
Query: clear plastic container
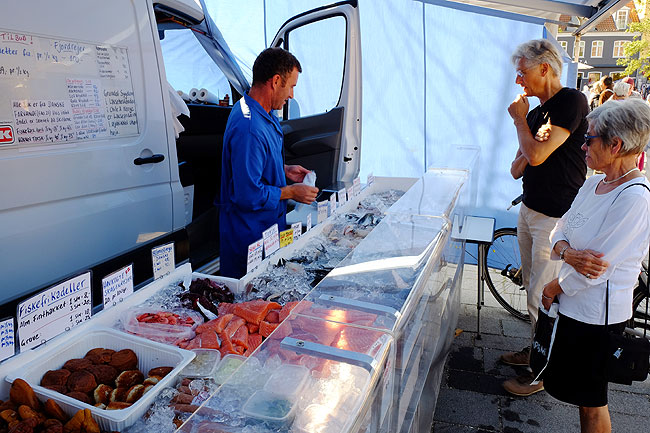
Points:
[204,365]
[167,326]
[227,367]
[270,407]
[317,418]
[287,380]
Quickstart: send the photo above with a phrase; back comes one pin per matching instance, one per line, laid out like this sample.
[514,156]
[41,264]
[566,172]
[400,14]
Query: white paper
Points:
[350,193]
[297,230]
[322,211]
[308,222]
[343,196]
[271,238]
[332,204]
[53,311]
[163,260]
[117,286]
[254,258]
[7,342]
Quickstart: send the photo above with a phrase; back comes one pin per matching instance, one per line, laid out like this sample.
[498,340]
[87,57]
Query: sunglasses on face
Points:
[520,73]
[588,139]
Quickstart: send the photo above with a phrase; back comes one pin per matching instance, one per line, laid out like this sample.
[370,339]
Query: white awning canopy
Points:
[549,10]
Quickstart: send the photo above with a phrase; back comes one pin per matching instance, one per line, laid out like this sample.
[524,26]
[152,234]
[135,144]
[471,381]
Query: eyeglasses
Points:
[520,73]
[588,139]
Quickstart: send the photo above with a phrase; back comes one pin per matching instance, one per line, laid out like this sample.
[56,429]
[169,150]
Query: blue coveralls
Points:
[252,173]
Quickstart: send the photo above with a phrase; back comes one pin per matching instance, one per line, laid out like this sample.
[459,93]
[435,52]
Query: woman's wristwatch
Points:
[563,251]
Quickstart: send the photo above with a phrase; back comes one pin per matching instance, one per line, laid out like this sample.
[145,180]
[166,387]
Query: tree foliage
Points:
[637,52]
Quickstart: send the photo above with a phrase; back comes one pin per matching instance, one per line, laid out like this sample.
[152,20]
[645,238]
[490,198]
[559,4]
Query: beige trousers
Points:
[533,231]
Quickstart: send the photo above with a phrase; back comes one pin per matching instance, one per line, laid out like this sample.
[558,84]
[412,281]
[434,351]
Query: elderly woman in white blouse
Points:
[602,238]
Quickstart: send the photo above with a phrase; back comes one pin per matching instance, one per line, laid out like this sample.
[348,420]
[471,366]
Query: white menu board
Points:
[53,311]
[163,261]
[117,286]
[60,91]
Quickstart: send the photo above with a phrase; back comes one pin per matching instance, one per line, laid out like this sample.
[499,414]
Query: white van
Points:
[91,175]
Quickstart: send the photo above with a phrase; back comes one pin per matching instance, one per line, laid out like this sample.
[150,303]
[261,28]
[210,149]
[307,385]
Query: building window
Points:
[617,75]
[619,48]
[594,76]
[564,45]
[621,19]
[597,49]
[581,51]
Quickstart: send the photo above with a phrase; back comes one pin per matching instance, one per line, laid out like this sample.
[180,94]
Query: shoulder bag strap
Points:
[607,290]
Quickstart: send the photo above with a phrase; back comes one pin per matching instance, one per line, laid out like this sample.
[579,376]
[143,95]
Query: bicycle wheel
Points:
[502,265]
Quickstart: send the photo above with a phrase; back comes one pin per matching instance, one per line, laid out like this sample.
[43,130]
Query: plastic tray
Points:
[150,354]
[165,333]
[262,405]
[227,367]
[287,380]
[204,364]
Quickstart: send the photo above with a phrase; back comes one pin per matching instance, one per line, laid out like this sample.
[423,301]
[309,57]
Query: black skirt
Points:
[576,370]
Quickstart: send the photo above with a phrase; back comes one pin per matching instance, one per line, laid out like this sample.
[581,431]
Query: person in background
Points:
[254,190]
[594,98]
[633,92]
[608,90]
[553,170]
[622,91]
[601,240]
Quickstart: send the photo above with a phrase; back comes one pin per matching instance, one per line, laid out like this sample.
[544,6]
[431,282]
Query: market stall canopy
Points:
[549,10]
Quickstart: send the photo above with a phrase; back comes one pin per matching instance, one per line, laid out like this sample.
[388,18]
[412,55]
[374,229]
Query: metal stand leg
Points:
[479,294]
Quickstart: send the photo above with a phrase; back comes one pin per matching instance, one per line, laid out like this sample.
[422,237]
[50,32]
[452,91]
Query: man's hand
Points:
[519,108]
[544,132]
[299,192]
[295,173]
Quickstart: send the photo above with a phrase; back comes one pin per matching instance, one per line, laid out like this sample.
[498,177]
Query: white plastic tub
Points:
[287,380]
[150,355]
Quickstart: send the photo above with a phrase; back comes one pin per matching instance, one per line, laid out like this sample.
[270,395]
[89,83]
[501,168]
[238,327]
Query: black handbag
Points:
[540,350]
[627,357]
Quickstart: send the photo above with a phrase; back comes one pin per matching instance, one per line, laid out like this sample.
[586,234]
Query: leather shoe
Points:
[521,386]
[517,358]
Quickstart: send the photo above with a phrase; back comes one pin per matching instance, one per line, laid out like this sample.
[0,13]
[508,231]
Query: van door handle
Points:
[153,159]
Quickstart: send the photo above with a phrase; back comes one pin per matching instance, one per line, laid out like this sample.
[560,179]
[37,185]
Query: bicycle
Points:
[502,270]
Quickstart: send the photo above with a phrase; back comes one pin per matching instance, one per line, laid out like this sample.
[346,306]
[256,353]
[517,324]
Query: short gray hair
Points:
[627,119]
[621,88]
[539,51]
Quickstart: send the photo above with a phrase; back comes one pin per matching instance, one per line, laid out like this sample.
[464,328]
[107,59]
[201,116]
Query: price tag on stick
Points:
[309,222]
[297,230]
[356,185]
[322,211]
[163,260]
[254,258]
[286,237]
[271,240]
[53,311]
[7,342]
[332,204]
[343,196]
[117,286]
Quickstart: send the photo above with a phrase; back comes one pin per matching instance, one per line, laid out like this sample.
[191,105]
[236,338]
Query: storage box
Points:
[272,408]
[150,355]
[204,365]
[180,328]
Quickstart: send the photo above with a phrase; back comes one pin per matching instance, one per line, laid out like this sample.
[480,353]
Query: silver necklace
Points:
[607,182]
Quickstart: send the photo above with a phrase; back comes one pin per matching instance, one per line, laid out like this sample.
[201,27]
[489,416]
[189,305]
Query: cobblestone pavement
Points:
[472,399]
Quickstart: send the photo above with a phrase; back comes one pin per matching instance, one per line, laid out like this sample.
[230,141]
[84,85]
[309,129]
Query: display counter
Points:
[374,293]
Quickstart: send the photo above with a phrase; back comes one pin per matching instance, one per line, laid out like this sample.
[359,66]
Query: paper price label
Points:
[332,204]
[271,240]
[356,185]
[371,179]
[254,258]
[350,193]
[163,260]
[297,229]
[343,196]
[53,311]
[117,286]
[308,222]
[286,237]
[7,342]
[322,211]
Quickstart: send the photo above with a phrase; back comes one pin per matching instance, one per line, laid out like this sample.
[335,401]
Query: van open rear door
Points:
[322,124]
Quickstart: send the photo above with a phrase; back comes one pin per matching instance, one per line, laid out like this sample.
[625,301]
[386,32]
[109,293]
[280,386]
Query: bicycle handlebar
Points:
[516,201]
